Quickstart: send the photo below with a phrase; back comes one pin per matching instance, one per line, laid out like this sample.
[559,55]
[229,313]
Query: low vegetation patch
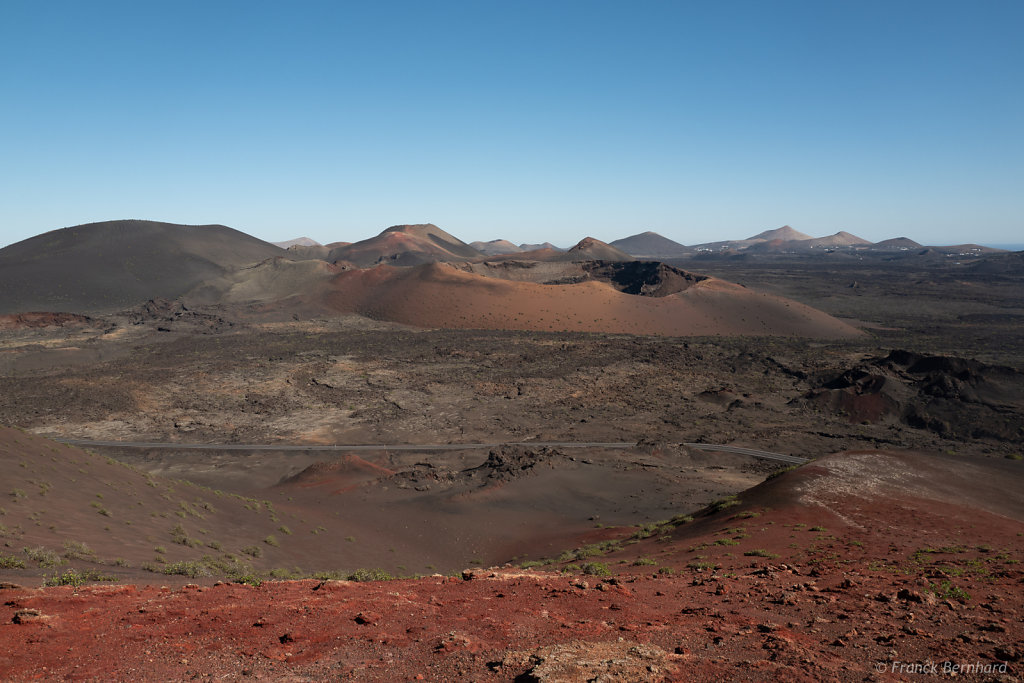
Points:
[75,577]
[11,562]
[44,557]
[187,568]
[370,575]
[723,504]
[181,537]
[75,550]
[780,472]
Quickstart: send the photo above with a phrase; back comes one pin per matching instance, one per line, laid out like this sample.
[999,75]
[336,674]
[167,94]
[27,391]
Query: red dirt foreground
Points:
[859,566]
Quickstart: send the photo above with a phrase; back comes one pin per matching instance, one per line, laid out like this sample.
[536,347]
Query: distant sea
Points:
[1008,247]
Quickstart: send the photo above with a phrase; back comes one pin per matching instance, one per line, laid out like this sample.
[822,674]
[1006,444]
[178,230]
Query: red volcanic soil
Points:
[859,566]
[440,295]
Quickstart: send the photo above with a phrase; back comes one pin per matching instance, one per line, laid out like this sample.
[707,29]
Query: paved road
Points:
[766,455]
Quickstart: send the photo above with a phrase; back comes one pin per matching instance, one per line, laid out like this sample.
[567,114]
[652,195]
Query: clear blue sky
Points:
[527,120]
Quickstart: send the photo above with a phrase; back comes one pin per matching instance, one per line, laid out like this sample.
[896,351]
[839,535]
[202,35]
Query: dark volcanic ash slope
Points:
[954,397]
[650,245]
[105,267]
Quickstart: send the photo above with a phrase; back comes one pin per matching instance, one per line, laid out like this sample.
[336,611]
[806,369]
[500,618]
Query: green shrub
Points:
[723,504]
[75,550]
[11,562]
[181,537]
[332,575]
[44,557]
[74,577]
[947,591]
[370,575]
[283,574]
[780,472]
[596,569]
[189,569]
[760,552]
[250,579]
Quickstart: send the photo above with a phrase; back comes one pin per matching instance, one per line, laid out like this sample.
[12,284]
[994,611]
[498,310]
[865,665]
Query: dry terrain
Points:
[854,568]
[898,546]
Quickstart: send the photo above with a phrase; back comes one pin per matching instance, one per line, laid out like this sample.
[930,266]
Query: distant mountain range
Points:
[114,265]
[784,240]
[405,245]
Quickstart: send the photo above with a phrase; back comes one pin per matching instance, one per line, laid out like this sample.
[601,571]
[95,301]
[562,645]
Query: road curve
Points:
[765,455]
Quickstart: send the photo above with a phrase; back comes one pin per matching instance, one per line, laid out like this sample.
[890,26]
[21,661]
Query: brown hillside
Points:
[785,234]
[496,247]
[68,509]
[840,239]
[440,295]
[590,249]
[405,245]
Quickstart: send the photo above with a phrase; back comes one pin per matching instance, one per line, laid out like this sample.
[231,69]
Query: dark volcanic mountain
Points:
[785,234]
[590,249]
[298,241]
[650,245]
[405,245]
[104,267]
[896,244]
[535,247]
[495,247]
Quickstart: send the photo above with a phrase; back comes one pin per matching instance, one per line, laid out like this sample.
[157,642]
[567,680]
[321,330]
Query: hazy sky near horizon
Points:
[531,121]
